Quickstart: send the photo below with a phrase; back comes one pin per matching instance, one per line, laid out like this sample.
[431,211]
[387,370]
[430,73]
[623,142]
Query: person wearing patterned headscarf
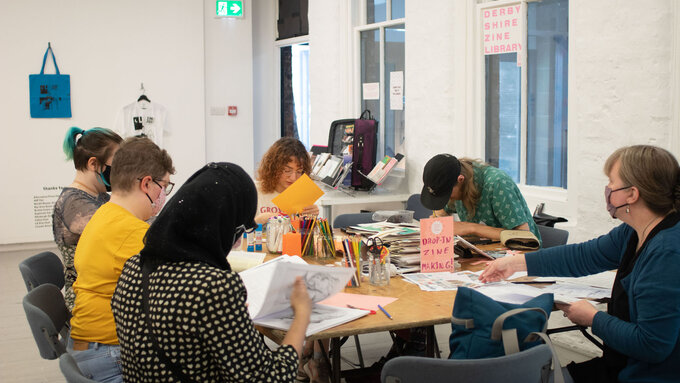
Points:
[180,310]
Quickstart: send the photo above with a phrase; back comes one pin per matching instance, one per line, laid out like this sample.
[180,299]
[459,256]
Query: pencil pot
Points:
[323,244]
[378,269]
[276,228]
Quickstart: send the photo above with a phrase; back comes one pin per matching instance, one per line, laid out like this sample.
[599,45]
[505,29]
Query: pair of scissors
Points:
[374,245]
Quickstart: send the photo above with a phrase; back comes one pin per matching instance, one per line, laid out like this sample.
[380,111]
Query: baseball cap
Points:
[439,177]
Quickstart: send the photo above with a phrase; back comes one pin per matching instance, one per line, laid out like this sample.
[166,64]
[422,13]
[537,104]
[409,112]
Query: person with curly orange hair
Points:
[284,162]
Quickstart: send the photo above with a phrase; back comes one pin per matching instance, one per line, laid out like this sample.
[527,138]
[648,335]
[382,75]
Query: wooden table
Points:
[413,308]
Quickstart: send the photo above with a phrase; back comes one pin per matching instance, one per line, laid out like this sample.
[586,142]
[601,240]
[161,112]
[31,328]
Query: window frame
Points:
[559,201]
[278,44]
[361,26]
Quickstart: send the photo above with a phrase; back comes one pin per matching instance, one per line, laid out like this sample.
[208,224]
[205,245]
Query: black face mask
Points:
[105,177]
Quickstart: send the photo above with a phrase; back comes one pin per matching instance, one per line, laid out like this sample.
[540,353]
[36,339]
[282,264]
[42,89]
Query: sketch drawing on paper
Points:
[320,285]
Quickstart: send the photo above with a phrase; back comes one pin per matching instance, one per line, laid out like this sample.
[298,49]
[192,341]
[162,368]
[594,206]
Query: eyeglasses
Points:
[167,189]
[239,232]
[289,172]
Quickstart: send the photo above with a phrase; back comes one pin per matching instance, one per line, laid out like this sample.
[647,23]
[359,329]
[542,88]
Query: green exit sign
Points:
[230,8]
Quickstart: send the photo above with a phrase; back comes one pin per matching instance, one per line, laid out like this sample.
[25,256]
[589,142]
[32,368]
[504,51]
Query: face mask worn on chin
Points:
[105,177]
[607,197]
[157,205]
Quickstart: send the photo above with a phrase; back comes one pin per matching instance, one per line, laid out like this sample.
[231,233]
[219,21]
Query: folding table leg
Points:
[335,366]
[361,357]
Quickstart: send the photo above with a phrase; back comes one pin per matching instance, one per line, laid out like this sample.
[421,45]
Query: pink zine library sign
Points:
[502,27]
[436,245]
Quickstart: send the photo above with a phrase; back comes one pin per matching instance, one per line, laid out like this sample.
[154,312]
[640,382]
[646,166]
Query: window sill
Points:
[557,201]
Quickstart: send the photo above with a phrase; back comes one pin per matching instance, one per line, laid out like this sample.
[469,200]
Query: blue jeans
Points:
[100,362]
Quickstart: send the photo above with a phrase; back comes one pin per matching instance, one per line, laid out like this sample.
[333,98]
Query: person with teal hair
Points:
[91,151]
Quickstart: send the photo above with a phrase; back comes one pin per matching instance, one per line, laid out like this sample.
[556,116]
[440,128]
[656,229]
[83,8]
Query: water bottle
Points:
[258,238]
[251,242]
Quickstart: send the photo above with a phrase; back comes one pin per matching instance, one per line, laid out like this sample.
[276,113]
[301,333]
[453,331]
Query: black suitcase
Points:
[341,142]
[341,137]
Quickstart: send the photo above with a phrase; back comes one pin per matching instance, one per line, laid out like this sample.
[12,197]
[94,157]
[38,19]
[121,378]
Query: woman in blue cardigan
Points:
[641,328]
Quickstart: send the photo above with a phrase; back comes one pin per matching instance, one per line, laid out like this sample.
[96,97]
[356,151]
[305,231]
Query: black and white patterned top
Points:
[200,320]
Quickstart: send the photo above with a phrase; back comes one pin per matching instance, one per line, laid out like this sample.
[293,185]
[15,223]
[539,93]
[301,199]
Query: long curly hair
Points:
[277,157]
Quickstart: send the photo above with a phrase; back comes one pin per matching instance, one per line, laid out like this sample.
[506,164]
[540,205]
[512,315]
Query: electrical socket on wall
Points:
[218,111]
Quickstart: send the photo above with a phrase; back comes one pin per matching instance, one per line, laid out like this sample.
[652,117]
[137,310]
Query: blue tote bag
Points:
[50,94]
[485,328]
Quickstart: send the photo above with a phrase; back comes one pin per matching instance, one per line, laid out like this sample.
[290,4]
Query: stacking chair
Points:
[344,220]
[419,211]
[530,366]
[552,236]
[48,318]
[69,368]
[45,267]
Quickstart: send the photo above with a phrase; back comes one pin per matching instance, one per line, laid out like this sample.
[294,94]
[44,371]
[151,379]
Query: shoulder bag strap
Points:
[174,367]
[509,336]
[368,115]
[54,60]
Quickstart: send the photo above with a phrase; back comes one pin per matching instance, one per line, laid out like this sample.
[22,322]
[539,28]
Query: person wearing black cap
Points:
[180,310]
[485,198]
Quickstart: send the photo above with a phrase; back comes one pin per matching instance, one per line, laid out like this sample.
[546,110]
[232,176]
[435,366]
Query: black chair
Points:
[419,211]
[42,268]
[344,220]
[69,368]
[552,236]
[48,318]
[531,366]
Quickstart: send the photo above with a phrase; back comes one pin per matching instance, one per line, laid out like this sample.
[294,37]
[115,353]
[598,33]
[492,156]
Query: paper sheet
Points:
[243,260]
[443,281]
[300,194]
[371,90]
[368,302]
[577,291]
[603,280]
[397,90]
[321,318]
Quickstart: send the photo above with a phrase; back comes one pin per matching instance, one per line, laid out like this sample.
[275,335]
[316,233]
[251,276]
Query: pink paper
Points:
[367,302]
[436,245]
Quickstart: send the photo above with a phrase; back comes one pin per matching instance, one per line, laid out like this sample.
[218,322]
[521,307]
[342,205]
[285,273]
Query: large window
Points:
[293,48]
[295,100]
[528,137]
[381,70]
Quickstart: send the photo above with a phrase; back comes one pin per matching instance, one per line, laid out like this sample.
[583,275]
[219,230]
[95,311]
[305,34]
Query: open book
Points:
[269,286]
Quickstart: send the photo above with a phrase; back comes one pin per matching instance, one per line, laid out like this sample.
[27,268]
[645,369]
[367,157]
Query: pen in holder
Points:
[378,262]
[276,227]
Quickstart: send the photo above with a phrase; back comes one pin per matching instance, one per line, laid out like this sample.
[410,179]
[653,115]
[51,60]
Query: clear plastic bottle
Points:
[251,241]
[258,238]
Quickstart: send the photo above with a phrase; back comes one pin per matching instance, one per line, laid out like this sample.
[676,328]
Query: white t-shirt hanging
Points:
[143,118]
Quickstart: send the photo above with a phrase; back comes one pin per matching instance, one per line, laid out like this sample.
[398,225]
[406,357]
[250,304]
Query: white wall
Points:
[108,48]
[330,66]
[189,61]
[229,81]
[620,92]
[330,70]
[266,91]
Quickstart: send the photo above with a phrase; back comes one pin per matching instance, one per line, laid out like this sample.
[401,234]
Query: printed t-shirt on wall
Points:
[143,118]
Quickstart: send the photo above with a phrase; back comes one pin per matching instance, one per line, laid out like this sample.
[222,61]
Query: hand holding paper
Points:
[302,193]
